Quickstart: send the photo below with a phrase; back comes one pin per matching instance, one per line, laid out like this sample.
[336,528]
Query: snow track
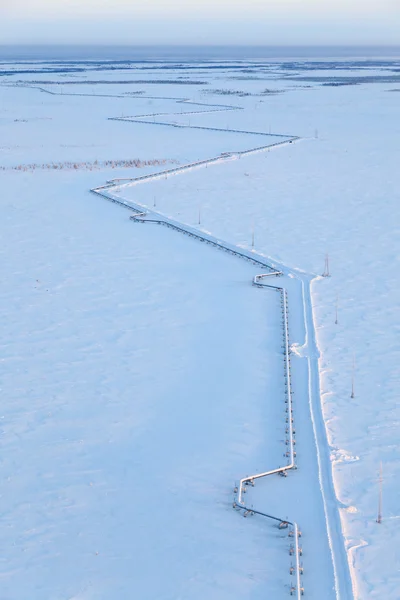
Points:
[343,583]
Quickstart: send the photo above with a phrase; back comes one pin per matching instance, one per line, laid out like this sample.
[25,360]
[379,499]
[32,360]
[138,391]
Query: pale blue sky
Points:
[264,22]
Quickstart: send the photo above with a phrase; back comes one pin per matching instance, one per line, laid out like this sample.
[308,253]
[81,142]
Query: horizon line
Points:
[203,45]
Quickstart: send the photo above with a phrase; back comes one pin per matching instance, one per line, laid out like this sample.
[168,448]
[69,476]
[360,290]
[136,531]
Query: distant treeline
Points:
[91,166]
[240,93]
[179,81]
[350,80]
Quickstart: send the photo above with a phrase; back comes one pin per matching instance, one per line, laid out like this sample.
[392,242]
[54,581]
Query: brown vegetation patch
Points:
[96,165]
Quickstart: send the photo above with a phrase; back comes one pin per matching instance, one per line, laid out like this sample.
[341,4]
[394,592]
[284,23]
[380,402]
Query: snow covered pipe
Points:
[143,215]
[184,126]
[239,503]
[220,107]
[104,191]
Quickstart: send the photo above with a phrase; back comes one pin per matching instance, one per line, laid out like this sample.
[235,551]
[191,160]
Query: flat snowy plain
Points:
[143,374]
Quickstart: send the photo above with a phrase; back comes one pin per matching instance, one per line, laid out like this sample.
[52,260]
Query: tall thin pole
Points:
[326,270]
[252,237]
[379,519]
[199,215]
[154,203]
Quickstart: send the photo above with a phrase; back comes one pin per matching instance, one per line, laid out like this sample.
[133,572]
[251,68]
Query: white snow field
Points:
[130,406]
[143,374]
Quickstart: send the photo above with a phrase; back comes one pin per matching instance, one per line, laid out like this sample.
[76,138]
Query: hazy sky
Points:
[266,22]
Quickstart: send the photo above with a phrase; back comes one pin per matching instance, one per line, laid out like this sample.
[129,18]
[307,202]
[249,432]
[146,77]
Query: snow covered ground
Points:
[129,405]
[337,194]
[143,373]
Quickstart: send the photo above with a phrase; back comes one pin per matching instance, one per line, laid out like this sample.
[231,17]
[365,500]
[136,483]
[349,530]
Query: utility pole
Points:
[352,377]
[379,519]
[326,272]
[154,202]
[199,215]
